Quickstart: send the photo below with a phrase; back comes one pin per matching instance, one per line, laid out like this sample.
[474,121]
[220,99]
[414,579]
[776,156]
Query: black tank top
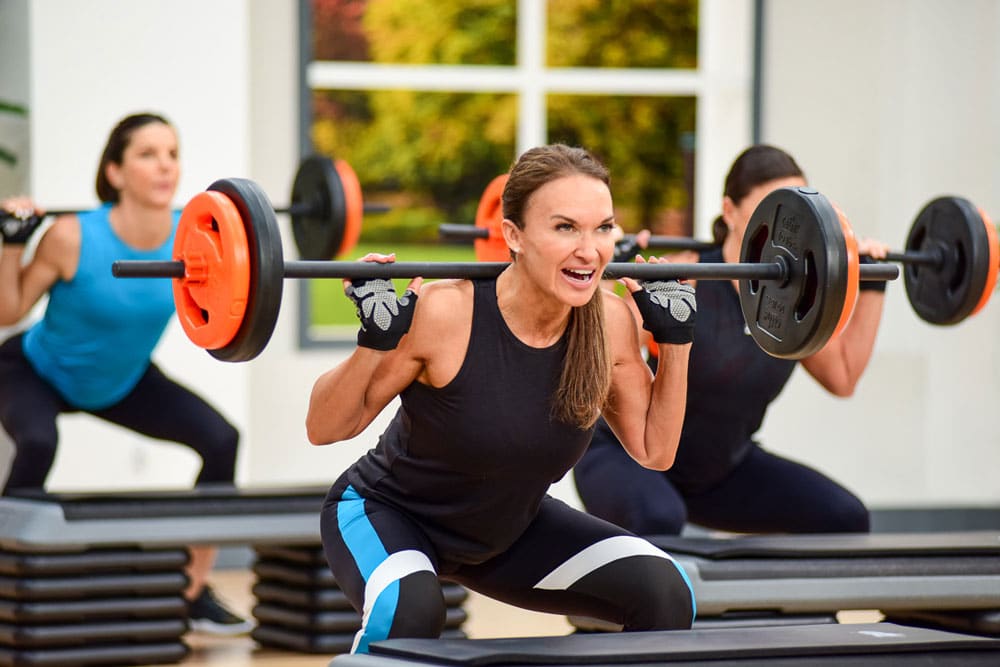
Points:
[470,462]
[731,382]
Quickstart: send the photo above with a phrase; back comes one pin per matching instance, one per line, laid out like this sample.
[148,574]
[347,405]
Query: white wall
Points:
[90,63]
[887,105]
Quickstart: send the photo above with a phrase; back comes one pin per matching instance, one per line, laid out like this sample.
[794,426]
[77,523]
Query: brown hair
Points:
[586,374]
[114,150]
[755,166]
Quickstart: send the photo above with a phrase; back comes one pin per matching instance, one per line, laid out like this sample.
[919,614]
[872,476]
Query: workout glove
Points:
[384,318]
[16,228]
[668,310]
[871,285]
[626,250]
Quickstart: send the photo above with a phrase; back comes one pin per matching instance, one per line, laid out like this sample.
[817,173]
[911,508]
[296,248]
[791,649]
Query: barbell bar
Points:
[951,256]
[459,232]
[228,271]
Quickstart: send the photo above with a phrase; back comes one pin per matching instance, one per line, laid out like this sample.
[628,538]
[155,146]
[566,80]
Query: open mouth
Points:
[579,275]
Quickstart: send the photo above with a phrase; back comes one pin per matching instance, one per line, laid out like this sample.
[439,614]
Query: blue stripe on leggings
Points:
[368,551]
[684,576]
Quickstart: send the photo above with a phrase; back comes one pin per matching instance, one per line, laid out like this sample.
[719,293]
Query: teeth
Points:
[579,272]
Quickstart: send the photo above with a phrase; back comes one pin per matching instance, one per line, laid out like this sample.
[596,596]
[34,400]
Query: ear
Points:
[113,172]
[728,212]
[511,234]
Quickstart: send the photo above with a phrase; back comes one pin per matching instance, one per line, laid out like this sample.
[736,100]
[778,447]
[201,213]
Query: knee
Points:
[850,517]
[218,452]
[30,465]
[660,519]
[413,608]
[845,514]
[421,611]
[661,596]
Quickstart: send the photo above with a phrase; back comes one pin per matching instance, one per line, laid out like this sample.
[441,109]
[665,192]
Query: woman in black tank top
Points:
[722,479]
[500,384]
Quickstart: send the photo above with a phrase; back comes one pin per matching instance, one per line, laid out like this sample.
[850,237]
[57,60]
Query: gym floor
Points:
[487,618]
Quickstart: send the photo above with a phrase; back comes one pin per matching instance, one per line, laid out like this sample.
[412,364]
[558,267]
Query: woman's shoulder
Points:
[443,300]
[62,235]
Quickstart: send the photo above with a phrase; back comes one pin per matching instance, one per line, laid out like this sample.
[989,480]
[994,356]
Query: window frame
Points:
[726,86]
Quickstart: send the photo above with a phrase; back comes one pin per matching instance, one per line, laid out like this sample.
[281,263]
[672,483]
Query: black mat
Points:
[302,555]
[107,585]
[332,599]
[303,642]
[221,499]
[39,522]
[48,611]
[309,577]
[977,622]
[104,632]
[856,545]
[584,624]
[718,644]
[92,561]
[310,599]
[331,621]
[133,654]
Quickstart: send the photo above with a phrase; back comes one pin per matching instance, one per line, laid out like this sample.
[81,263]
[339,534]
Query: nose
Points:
[592,248]
[167,161]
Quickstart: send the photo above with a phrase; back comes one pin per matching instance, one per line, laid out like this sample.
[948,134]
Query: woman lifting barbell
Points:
[91,349]
[722,478]
[501,381]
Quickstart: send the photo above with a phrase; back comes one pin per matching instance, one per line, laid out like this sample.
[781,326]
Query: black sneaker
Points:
[206,613]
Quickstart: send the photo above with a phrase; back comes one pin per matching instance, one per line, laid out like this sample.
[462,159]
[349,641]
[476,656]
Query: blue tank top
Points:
[97,335]
[731,383]
[471,462]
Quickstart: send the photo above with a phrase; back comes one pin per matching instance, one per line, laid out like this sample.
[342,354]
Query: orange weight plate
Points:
[211,298]
[489,215]
[853,272]
[354,207]
[994,263]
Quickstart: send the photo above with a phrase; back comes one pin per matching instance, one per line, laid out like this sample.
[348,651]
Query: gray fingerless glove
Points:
[668,310]
[17,228]
[385,319]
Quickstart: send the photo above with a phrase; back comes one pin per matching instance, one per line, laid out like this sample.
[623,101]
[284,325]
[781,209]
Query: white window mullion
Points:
[532,122]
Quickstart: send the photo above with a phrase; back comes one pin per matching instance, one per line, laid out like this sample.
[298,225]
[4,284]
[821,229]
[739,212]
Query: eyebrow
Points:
[559,216]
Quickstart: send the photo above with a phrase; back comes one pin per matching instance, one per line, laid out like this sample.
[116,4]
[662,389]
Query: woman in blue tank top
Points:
[500,383]
[722,478]
[91,350]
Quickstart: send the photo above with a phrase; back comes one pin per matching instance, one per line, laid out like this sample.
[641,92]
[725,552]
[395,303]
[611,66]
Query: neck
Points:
[533,318]
[141,226]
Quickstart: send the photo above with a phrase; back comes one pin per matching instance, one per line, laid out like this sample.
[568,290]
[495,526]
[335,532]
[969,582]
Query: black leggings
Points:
[763,494]
[566,562]
[157,407]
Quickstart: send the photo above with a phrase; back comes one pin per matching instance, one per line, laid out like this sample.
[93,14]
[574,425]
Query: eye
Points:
[606,227]
[564,227]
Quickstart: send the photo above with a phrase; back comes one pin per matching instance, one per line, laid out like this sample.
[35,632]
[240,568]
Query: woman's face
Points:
[738,215]
[568,237]
[149,170]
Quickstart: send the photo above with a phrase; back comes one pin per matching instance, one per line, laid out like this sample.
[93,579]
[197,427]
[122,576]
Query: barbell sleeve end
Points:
[147,269]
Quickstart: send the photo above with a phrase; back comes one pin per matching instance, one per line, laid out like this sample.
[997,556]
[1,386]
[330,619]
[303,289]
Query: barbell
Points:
[326,208]
[797,289]
[950,256]
[951,259]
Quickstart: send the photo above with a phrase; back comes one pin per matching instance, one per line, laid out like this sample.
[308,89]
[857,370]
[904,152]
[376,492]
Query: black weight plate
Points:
[950,292]
[320,229]
[795,318]
[267,269]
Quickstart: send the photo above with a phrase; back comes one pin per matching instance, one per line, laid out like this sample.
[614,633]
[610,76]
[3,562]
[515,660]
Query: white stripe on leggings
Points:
[595,556]
[392,569]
